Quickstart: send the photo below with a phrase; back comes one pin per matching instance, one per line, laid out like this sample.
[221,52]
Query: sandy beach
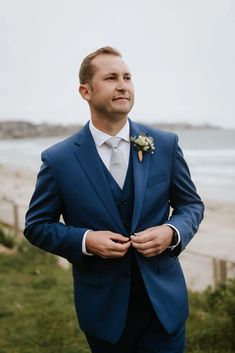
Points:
[215,237]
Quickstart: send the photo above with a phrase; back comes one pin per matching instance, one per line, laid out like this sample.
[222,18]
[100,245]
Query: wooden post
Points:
[220,271]
[215,272]
[16,219]
[223,270]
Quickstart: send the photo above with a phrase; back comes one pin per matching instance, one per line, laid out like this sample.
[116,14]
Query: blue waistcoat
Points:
[124,198]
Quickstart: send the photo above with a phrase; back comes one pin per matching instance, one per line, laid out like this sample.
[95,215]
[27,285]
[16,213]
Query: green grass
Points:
[37,313]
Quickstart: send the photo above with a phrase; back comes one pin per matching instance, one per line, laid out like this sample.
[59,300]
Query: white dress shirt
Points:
[104,150]
[105,153]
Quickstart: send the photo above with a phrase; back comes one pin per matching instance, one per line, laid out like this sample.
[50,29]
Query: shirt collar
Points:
[101,137]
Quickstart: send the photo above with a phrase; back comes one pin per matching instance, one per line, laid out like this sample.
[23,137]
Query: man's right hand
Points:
[107,244]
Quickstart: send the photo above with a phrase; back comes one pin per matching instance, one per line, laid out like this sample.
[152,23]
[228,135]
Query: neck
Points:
[109,126]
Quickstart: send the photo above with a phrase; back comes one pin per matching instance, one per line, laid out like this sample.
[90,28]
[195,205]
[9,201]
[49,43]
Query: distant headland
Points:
[23,129]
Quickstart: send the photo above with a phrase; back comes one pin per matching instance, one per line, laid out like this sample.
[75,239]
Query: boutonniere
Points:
[143,143]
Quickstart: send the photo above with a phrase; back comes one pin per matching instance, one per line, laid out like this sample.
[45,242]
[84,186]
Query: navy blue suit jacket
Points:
[72,184]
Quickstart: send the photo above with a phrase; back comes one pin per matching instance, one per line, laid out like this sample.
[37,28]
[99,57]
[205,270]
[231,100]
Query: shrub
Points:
[211,325]
[7,238]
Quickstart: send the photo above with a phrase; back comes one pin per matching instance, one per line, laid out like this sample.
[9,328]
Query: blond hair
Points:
[87,69]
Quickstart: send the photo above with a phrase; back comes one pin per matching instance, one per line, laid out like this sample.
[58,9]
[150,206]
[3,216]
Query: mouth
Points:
[120,98]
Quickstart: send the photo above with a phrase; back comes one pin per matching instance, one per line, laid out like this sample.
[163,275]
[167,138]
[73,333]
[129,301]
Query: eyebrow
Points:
[116,74]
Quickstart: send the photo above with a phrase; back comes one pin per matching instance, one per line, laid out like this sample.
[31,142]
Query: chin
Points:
[122,110]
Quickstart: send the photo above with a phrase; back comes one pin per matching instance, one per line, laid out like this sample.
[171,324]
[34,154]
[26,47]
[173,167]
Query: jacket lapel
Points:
[140,171]
[88,157]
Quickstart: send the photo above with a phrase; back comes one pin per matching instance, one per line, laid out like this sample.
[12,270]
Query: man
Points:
[114,183]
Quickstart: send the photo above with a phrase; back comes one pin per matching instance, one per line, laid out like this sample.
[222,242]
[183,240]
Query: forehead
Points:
[106,64]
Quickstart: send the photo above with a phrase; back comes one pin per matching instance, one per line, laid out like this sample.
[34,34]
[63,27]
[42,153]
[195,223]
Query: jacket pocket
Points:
[156,179]
[94,279]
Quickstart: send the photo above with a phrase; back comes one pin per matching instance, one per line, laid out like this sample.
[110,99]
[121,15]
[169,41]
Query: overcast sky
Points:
[181,54]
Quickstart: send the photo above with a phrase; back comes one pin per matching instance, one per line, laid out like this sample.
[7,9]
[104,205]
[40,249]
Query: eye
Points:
[127,78]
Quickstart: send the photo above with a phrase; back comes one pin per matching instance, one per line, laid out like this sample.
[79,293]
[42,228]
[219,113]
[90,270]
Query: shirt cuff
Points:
[178,233]
[84,251]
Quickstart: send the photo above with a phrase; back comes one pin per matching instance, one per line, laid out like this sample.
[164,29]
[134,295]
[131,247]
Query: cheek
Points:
[130,88]
[104,91]
[98,95]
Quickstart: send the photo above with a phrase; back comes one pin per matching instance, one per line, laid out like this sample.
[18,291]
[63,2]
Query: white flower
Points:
[143,143]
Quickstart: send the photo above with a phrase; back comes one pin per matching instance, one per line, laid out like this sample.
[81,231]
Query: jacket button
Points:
[124,202]
[125,275]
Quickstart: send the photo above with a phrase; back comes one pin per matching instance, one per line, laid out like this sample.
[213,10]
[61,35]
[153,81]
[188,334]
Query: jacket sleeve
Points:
[44,228]
[187,207]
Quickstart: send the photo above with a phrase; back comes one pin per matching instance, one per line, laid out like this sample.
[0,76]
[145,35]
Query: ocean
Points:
[210,154]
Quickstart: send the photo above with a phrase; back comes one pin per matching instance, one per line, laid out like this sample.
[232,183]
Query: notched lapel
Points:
[141,172]
[88,157]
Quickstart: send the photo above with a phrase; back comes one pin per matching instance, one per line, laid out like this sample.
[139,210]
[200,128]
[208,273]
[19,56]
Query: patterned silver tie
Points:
[118,165]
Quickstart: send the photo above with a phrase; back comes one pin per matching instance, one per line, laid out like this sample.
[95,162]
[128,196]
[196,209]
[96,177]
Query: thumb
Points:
[119,237]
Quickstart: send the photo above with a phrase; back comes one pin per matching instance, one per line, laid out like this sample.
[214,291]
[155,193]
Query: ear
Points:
[84,90]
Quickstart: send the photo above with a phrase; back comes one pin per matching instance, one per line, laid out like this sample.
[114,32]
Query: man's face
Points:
[111,92]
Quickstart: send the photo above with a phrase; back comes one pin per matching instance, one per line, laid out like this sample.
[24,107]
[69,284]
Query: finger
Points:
[112,254]
[119,237]
[149,252]
[144,238]
[144,246]
[152,245]
[119,247]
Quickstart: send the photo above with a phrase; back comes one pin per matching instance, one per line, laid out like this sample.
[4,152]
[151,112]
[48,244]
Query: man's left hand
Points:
[152,241]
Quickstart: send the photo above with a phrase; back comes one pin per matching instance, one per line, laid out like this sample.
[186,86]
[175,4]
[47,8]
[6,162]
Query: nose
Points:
[122,85]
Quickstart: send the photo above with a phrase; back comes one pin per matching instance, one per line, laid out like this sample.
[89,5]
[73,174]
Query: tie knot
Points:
[113,142]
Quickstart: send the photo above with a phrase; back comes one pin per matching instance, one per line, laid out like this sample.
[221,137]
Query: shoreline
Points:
[215,237]
[21,129]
